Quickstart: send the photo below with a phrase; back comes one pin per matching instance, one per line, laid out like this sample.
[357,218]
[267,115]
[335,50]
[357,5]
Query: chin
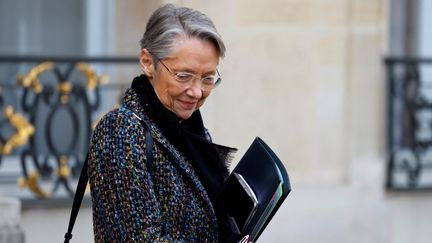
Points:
[184,115]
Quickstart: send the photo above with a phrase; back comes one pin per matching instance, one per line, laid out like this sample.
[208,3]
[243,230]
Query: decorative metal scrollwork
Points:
[23,131]
[45,136]
[93,80]
[31,80]
[45,172]
[410,124]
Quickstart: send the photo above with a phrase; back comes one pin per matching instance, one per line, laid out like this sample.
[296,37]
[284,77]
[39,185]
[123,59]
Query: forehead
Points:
[192,51]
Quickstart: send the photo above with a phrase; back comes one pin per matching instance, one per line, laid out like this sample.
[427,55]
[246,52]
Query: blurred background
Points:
[340,89]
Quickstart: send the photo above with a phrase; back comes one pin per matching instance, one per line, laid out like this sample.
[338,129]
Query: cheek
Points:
[203,99]
[161,90]
[168,94]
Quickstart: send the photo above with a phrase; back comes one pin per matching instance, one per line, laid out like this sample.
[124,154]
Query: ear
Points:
[146,63]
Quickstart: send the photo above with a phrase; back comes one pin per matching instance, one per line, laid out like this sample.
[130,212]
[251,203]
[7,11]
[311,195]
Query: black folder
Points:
[255,190]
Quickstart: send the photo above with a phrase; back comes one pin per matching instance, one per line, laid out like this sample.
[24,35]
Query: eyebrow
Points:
[189,70]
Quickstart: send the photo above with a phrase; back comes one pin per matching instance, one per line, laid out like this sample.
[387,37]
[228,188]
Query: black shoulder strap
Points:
[83,179]
[79,194]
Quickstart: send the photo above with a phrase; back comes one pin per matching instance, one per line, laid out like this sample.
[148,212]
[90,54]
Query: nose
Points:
[195,90]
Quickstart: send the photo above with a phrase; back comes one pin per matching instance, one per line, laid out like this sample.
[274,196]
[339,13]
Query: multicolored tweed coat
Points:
[134,202]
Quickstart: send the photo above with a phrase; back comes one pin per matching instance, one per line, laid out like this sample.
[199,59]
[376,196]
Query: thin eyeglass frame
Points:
[216,83]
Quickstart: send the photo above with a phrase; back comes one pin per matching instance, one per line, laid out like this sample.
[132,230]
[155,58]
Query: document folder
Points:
[256,189]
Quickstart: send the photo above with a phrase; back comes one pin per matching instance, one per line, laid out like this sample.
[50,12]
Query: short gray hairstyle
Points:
[169,21]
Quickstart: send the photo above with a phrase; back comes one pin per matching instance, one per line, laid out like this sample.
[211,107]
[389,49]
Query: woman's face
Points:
[190,55]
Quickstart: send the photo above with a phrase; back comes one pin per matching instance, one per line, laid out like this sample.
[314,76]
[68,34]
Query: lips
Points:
[188,105]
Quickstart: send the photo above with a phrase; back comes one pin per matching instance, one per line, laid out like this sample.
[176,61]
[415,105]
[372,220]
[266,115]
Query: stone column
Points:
[10,215]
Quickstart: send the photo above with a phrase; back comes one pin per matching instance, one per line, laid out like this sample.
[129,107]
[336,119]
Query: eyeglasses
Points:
[185,79]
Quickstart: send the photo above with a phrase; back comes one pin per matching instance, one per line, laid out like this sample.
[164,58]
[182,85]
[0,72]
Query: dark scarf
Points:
[209,160]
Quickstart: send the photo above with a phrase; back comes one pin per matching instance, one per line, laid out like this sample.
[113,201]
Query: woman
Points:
[168,189]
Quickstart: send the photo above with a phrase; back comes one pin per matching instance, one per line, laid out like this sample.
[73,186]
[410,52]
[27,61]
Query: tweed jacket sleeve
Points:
[125,208]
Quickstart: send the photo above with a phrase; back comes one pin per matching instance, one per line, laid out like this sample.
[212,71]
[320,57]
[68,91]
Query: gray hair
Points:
[168,22]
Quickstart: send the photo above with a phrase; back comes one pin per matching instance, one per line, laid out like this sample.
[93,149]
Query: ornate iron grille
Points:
[49,126]
[409,132]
